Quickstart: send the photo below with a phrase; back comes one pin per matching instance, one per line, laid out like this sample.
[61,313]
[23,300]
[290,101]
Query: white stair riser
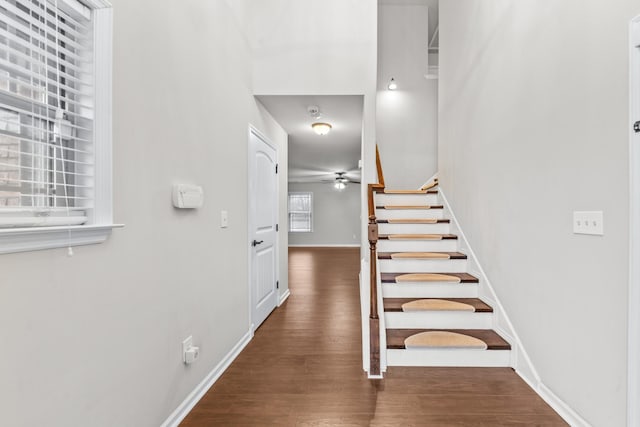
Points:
[438,320]
[445,245]
[453,357]
[406,199]
[408,213]
[423,265]
[430,290]
[439,228]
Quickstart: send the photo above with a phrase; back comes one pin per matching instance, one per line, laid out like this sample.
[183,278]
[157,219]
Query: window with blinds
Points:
[301,212]
[47,146]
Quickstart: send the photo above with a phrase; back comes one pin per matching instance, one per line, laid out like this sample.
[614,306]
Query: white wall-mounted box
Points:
[187,196]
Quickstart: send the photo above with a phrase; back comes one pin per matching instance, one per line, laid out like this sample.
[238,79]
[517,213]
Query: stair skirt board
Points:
[446,245]
[427,265]
[449,358]
[443,339]
[434,304]
[430,290]
[438,320]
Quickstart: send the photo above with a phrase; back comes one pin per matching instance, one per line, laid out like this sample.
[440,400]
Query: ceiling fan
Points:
[341,180]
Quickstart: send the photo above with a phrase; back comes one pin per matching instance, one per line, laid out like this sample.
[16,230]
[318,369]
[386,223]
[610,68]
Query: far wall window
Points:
[301,212]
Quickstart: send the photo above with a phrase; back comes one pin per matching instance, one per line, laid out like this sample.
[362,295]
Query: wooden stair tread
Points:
[421,255]
[395,304]
[410,191]
[417,237]
[396,337]
[410,207]
[464,277]
[414,221]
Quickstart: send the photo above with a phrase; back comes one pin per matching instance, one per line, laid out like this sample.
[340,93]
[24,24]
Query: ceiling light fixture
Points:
[340,185]
[392,84]
[321,128]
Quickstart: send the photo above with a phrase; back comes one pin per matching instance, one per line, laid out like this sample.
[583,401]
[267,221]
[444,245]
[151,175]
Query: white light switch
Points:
[224,219]
[591,222]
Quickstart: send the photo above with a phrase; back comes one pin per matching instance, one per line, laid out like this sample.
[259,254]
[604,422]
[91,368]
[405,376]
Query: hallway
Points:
[304,368]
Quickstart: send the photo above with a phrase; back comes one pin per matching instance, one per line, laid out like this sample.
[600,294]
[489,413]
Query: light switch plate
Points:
[588,222]
[224,219]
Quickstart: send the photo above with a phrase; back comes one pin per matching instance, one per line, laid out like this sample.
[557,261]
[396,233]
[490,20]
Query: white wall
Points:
[96,338]
[336,216]
[306,47]
[407,119]
[533,125]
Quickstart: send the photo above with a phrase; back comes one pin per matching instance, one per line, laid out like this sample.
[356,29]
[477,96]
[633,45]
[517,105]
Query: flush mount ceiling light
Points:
[392,84]
[321,128]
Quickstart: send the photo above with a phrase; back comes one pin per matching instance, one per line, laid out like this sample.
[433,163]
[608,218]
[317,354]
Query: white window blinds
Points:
[300,212]
[46,113]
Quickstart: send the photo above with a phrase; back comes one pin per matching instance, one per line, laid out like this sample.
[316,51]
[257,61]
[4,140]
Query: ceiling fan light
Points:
[321,128]
[340,185]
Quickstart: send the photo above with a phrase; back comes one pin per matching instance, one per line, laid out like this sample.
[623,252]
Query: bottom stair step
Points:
[496,354]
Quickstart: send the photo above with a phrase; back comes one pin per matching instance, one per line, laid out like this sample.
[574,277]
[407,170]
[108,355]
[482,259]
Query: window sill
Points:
[38,238]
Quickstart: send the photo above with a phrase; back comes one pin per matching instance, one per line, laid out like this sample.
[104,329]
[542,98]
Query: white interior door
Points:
[633,408]
[263,214]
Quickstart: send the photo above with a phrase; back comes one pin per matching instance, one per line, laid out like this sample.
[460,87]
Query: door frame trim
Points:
[633,371]
[250,220]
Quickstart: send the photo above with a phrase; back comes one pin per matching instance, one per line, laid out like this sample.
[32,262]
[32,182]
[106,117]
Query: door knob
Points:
[257,242]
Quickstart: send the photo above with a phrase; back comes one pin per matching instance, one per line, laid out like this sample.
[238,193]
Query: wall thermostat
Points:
[187,196]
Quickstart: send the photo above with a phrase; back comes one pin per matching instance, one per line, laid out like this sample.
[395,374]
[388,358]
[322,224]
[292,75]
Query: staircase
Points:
[433,315]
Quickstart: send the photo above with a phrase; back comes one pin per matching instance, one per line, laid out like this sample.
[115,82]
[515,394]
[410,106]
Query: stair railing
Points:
[374,321]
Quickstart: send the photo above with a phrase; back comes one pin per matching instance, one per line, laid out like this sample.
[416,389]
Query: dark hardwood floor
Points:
[304,368]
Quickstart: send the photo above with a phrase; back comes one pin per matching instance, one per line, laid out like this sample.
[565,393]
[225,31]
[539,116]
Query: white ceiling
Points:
[314,158]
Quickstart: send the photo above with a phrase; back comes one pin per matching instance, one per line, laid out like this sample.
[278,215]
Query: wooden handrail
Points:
[379,167]
[374,321]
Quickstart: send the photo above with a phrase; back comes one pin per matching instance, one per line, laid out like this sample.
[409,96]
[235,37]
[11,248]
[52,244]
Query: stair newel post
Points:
[374,322]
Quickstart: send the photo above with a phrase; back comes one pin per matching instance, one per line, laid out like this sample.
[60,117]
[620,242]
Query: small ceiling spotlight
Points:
[321,128]
[392,84]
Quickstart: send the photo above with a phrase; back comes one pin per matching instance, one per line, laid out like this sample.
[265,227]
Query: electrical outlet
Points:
[588,222]
[190,353]
[186,345]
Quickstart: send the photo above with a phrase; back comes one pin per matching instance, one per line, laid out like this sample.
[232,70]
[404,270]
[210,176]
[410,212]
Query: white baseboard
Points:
[558,405]
[354,245]
[194,397]
[284,297]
